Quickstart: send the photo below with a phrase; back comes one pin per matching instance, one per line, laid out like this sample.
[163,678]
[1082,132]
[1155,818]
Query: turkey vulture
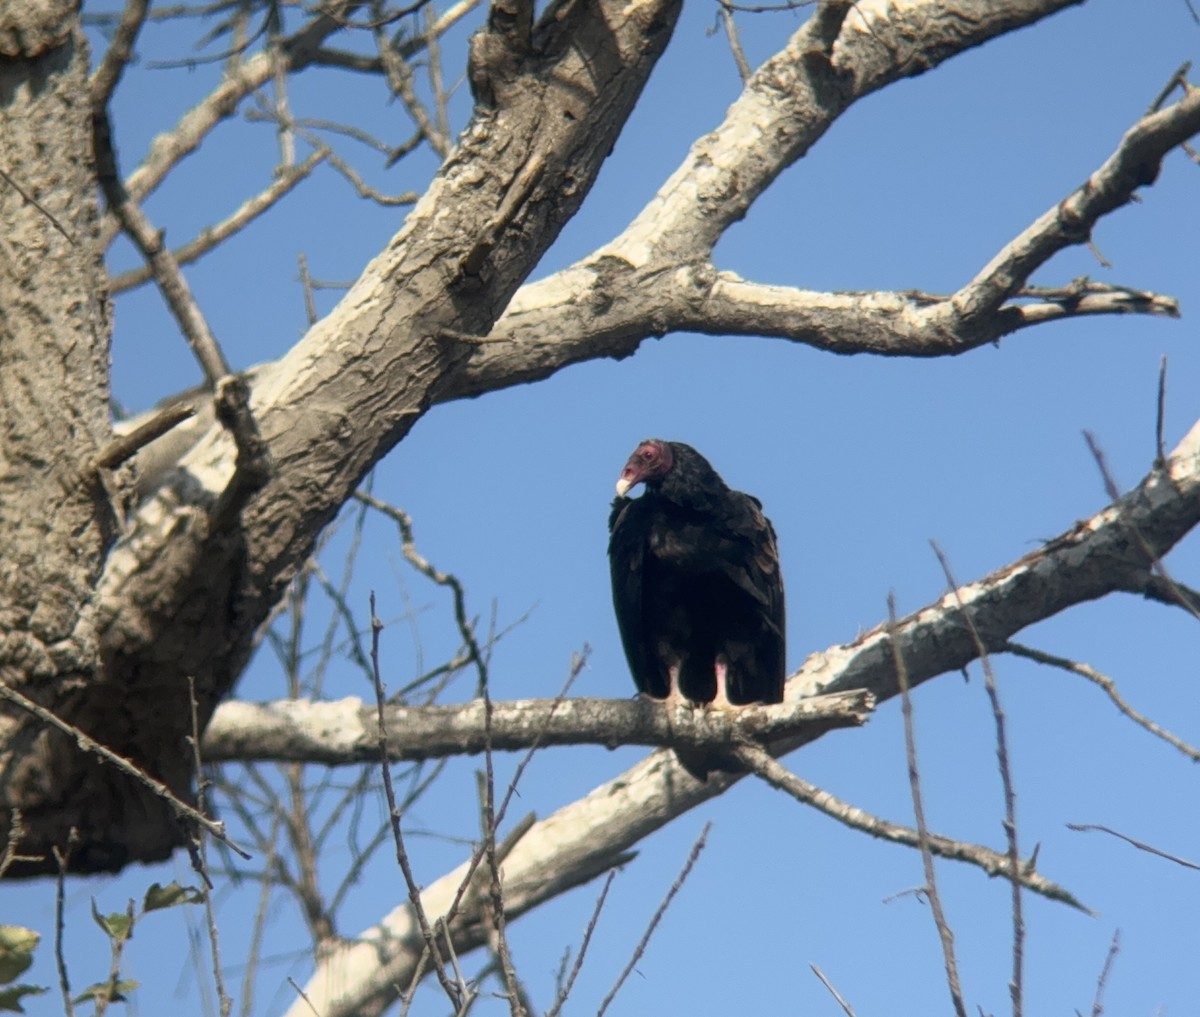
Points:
[696,582]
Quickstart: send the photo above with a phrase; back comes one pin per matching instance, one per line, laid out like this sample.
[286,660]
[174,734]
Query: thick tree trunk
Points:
[57,518]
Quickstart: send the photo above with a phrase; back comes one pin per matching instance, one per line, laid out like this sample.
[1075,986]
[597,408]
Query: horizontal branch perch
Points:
[346,731]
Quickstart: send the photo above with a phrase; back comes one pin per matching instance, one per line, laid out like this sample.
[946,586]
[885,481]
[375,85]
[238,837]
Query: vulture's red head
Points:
[651,460]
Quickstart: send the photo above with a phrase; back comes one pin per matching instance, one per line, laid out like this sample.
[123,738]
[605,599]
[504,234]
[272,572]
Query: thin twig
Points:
[516,996]
[232,54]
[466,887]
[239,36]
[735,44]
[107,20]
[414,890]
[89,744]
[365,190]
[1160,449]
[149,242]
[565,989]
[409,994]
[286,179]
[400,80]
[158,424]
[225,1001]
[1016,986]
[287,137]
[469,994]
[301,48]
[301,993]
[310,306]
[258,929]
[658,915]
[408,548]
[1177,80]
[1110,688]
[754,759]
[914,780]
[784,5]
[29,199]
[60,958]
[16,833]
[313,124]
[846,1008]
[1153,560]
[1102,981]
[338,598]
[578,663]
[120,52]
[1140,845]
[387,17]
[441,97]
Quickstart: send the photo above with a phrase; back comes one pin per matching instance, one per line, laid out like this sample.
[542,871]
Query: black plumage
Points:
[696,582]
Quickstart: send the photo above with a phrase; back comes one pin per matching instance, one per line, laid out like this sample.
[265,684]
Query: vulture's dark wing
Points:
[629,526]
[753,641]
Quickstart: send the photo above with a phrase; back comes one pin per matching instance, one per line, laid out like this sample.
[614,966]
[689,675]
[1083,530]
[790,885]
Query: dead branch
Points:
[1110,689]
[657,276]
[165,269]
[994,863]
[283,184]
[345,732]
[1140,845]
[119,53]
[930,888]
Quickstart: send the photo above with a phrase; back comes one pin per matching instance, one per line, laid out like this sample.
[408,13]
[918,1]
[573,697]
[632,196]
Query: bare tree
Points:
[140,564]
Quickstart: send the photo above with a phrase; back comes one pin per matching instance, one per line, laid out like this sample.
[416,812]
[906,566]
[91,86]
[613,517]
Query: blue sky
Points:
[858,461]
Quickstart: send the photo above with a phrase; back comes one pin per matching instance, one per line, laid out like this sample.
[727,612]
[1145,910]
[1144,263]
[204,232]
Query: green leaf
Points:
[118,926]
[169,896]
[10,998]
[16,950]
[107,992]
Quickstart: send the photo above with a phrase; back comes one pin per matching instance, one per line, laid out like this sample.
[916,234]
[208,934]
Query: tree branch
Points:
[295,52]
[288,177]
[1135,163]
[159,260]
[657,276]
[346,732]
[994,863]
[120,52]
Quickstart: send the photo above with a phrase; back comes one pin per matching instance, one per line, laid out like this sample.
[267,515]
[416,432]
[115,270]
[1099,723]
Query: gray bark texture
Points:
[57,518]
